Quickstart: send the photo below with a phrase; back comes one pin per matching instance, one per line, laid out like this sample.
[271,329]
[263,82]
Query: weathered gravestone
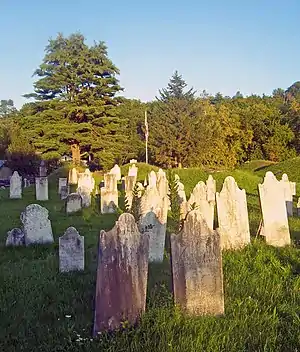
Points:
[64,192]
[15,186]
[181,197]
[152,179]
[86,196]
[116,171]
[121,275]
[129,186]
[109,194]
[275,221]
[86,181]
[36,225]
[71,251]
[73,203]
[62,182]
[41,188]
[43,169]
[289,191]
[197,268]
[15,237]
[233,215]
[133,170]
[162,183]
[298,207]
[73,176]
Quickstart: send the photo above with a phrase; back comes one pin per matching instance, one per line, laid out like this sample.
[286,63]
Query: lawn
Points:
[42,310]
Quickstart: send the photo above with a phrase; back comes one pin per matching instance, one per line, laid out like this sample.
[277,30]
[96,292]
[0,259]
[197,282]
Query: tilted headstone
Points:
[129,186]
[289,191]
[73,176]
[36,225]
[15,237]
[15,186]
[64,192]
[62,182]
[275,220]
[109,194]
[73,203]
[233,215]
[43,169]
[41,188]
[121,275]
[197,268]
[116,170]
[71,251]
[133,170]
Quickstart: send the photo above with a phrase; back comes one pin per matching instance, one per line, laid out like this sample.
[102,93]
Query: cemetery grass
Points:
[42,310]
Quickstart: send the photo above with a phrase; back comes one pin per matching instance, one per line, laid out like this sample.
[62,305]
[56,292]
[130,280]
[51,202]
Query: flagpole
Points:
[146,135]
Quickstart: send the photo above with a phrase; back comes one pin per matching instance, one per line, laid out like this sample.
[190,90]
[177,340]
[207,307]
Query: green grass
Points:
[261,283]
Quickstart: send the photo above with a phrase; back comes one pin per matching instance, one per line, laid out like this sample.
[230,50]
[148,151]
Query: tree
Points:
[175,89]
[75,97]
[7,108]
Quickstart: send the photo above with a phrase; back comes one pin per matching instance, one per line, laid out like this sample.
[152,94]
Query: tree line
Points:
[78,110]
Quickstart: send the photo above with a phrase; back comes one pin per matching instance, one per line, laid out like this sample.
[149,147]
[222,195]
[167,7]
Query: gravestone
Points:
[26,182]
[62,182]
[133,170]
[298,207]
[43,169]
[73,176]
[116,171]
[197,268]
[41,188]
[152,179]
[232,215]
[289,191]
[121,275]
[73,203]
[86,197]
[109,194]
[275,220]
[211,189]
[132,161]
[64,192]
[162,183]
[36,225]
[181,197]
[129,182]
[15,186]
[15,237]
[86,181]
[71,251]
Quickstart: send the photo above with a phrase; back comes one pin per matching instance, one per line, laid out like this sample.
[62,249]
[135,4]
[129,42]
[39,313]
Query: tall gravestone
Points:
[273,206]
[289,191]
[152,179]
[73,176]
[197,268]
[130,182]
[109,194]
[133,170]
[233,215]
[43,169]
[71,251]
[36,225]
[181,197]
[41,188]
[73,203]
[62,182]
[86,184]
[121,275]
[15,186]
[116,171]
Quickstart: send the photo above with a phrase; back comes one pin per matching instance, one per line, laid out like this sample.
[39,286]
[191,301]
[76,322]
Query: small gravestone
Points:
[233,215]
[15,186]
[116,171]
[133,170]
[86,181]
[162,183]
[121,275]
[15,237]
[36,225]
[73,203]
[152,179]
[289,191]
[71,251]
[41,188]
[62,182]
[43,169]
[129,186]
[211,189]
[197,268]
[298,207]
[86,196]
[64,192]
[132,161]
[73,176]
[273,206]
[26,182]
[109,194]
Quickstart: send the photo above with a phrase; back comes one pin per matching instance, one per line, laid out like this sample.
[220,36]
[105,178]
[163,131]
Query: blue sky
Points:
[251,46]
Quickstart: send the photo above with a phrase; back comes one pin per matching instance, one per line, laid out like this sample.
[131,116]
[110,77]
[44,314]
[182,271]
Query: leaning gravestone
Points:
[233,215]
[73,203]
[289,191]
[41,188]
[109,194]
[36,225]
[15,186]
[121,275]
[275,220]
[71,251]
[15,237]
[197,267]
[62,182]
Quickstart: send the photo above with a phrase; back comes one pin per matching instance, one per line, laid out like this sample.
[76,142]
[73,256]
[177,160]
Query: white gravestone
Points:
[133,170]
[71,251]
[73,176]
[152,179]
[275,220]
[36,225]
[109,194]
[289,191]
[130,182]
[233,215]
[73,203]
[41,188]
[116,170]
[15,187]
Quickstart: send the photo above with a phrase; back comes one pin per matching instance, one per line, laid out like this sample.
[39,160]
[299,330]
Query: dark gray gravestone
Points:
[197,268]
[121,275]
[71,251]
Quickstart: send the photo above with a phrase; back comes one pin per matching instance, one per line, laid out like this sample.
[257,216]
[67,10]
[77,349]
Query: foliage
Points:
[174,213]
[7,108]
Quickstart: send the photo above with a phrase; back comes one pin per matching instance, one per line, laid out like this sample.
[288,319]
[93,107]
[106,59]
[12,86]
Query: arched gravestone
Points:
[71,251]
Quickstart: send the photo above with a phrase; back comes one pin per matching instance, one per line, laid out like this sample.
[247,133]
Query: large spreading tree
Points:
[75,100]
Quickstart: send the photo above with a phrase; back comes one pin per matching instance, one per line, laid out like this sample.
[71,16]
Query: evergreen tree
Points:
[7,108]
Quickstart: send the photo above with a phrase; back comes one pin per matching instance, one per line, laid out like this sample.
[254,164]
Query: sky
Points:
[220,46]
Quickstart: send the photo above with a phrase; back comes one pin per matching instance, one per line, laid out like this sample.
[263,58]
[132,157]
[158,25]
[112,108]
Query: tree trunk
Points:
[75,154]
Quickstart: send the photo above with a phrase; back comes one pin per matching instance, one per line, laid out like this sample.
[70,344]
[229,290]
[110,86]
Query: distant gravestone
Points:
[36,225]
[109,194]
[73,203]
[73,176]
[62,182]
[15,237]
[15,187]
[26,182]
[41,188]
[162,183]
[64,192]
[121,275]
[129,182]
[211,189]
[43,169]
[132,161]
[197,268]
[275,221]
[233,215]
[86,181]
[116,171]
[133,170]
[71,251]
[152,179]
[289,191]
